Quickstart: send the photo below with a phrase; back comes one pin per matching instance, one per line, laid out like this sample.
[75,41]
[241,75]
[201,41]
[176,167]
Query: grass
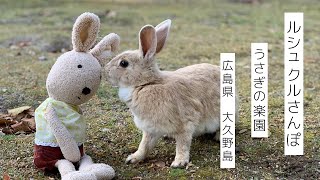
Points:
[200,31]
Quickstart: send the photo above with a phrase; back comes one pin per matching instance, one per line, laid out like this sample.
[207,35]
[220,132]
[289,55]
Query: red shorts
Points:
[45,157]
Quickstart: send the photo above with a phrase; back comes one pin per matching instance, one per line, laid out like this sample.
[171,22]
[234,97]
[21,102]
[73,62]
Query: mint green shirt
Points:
[70,117]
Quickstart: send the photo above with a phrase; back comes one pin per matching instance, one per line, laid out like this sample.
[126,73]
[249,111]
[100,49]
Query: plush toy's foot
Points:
[101,171]
[77,175]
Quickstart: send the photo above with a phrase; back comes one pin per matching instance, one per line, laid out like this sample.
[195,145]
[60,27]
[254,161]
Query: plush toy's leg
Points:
[68,171]
[64,167]
[100,170]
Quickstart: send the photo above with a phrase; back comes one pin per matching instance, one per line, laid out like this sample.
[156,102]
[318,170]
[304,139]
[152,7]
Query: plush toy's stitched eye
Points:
[124,63]
[79,66]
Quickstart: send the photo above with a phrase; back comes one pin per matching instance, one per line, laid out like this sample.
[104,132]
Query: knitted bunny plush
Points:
[180,104]
[73,80]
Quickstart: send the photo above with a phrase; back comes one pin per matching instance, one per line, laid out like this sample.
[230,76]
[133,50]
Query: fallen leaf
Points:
[7,130]
[30,122]
[6,122]
[243,131]
[16,111]
[18,120]
[6,176]
[21,126]
[3,121]
[160,164]
[19,116]
[30,112]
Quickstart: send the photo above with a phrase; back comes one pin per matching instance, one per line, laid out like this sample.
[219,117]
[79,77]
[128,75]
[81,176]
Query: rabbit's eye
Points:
[124,63]
[79,66]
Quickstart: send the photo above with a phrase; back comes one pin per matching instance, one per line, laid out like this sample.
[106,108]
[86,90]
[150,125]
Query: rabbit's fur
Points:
[181,104]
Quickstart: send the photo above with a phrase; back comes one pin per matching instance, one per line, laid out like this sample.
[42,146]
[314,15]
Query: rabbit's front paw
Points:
[135,158]
[179,163]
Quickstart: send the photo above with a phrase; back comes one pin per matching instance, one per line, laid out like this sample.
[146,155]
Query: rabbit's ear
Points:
[85,31]
[106,47]
[162,31]
[147,41]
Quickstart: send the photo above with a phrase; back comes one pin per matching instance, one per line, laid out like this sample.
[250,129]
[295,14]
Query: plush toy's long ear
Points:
[162,31]
[85,31]
[147,41]
[106,47]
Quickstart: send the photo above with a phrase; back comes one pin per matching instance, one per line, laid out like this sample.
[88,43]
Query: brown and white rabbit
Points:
[180,104]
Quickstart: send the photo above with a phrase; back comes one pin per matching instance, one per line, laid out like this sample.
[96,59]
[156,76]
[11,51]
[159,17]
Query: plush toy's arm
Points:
[68,145]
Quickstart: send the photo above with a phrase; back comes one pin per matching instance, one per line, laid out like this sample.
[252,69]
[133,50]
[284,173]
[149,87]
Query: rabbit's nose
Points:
[86,91]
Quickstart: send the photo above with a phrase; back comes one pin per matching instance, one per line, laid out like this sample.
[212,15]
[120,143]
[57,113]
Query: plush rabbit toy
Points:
[73,80]
[181,104]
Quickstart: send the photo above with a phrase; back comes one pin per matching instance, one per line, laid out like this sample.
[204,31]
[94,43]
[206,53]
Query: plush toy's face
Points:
[74,78]
[76,75]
